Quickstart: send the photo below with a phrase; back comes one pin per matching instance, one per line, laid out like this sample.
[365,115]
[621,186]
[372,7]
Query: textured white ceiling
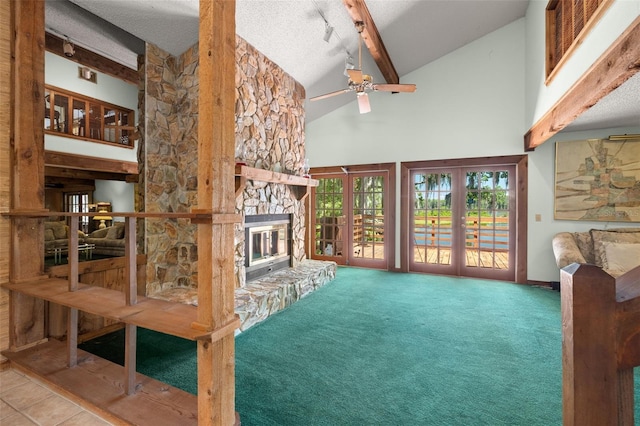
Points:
[290,33]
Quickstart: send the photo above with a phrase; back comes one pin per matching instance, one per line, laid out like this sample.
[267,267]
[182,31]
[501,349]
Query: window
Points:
[78,203]
[85,118]
[567,23]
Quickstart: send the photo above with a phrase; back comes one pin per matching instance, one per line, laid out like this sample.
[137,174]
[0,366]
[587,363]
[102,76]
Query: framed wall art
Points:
[598,180]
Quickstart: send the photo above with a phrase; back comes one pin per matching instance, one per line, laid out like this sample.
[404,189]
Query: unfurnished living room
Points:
[326,212]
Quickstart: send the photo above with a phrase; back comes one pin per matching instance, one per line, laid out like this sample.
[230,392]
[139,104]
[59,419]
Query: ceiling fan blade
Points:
[408,88]
[355,76]
[328,95]
[363,103]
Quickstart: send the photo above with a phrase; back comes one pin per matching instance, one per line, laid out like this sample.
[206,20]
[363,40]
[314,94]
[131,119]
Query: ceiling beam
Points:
[90,59]
[618,64]
[359,12]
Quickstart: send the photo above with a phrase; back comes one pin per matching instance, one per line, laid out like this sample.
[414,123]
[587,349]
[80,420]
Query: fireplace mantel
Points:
[300,184]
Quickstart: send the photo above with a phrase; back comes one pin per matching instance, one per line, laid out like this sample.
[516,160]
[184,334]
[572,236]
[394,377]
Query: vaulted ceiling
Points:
[292,32]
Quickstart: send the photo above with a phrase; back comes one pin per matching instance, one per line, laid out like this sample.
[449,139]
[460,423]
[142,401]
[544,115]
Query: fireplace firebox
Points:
[267,244]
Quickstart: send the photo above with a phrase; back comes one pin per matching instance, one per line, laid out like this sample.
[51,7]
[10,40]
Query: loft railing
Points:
[600,345]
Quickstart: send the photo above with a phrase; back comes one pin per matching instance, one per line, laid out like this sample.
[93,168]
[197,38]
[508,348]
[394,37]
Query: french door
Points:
[462,221]
[350,217]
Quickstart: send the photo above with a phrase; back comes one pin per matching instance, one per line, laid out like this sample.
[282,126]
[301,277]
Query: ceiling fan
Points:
[363,83]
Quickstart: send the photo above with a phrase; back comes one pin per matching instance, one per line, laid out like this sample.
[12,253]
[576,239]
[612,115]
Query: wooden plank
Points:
[130,340]
[615,66]
[27,323]
[166,317]
[72,338]
[202,216]
[82,162]
[270,176]
[97,383]
[216,192]
[131,277]
[6,31]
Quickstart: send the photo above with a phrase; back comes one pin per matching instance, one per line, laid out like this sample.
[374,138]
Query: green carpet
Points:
[379,348]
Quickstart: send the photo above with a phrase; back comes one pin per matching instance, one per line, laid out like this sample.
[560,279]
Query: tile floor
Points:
[26,401]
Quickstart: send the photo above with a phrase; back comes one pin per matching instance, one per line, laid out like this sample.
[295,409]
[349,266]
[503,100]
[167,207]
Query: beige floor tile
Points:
[25,395]
[10,378]
[51,411]
[17,420]
[6,410]
[84,418]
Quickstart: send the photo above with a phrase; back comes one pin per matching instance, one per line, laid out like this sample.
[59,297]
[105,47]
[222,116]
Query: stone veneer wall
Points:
[269,130]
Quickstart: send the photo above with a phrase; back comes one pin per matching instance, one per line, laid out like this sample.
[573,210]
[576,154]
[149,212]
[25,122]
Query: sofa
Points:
[109,241]
[56,235]
[616,251]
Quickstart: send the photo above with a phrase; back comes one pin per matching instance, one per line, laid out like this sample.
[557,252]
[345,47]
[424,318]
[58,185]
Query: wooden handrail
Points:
[600,345]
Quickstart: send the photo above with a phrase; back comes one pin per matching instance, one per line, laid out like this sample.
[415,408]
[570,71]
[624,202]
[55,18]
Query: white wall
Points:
[119,194]
[540,98]
[470,103]
[63,73]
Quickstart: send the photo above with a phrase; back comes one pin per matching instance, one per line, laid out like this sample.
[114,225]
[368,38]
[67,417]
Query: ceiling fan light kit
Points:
[363,83]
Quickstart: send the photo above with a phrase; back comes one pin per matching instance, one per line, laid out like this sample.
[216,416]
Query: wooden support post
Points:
[72,258]
[130,341]
[600,332]
[26,316]
[216,193]
[72,338]
[131,268]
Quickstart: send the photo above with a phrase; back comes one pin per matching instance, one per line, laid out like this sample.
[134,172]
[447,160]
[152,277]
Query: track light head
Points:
[68,49]
[328,31]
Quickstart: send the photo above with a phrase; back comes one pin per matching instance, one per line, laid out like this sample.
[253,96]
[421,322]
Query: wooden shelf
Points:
[301,184]
[166,317]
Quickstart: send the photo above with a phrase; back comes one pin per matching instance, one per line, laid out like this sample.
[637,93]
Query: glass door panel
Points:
[368,222]
[329,218]
[432,222]
[487,226]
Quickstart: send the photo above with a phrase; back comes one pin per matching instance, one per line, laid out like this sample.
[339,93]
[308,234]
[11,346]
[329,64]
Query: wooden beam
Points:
[619,63]
[359,12]
[67,176]
[90,59]
[216,193]
[82,162]
[27,322]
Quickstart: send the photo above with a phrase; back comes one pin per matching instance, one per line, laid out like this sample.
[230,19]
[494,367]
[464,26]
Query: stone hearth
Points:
[263,297]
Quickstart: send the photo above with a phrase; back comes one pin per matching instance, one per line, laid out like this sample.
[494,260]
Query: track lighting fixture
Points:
[68,48]
[328,30]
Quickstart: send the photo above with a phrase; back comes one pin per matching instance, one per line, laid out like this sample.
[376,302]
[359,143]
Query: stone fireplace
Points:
[269,134]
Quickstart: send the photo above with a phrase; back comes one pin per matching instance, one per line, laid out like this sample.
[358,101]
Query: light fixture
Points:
[633,138]
[68,48]
[328,30]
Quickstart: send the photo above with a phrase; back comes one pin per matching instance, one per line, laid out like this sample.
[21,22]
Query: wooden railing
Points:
[600,345]
[477,230]
[367,228]
[166,317]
